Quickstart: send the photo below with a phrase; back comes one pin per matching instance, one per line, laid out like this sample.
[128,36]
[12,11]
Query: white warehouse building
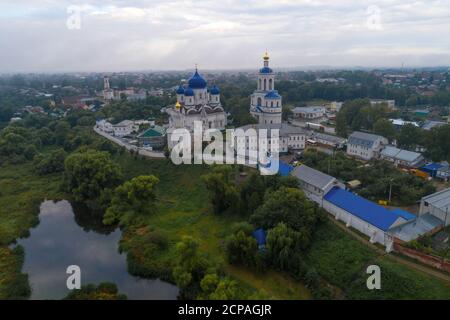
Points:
[365,216]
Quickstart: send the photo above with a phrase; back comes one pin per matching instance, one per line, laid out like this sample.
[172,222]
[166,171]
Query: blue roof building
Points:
[365,216]
[364,209]
[404,214]
[432,168]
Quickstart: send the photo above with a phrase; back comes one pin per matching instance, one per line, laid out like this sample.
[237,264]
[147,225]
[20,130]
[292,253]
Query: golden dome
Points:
[266,56]
[178,105]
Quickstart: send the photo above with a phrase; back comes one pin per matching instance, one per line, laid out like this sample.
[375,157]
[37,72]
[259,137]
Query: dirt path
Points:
[417,266]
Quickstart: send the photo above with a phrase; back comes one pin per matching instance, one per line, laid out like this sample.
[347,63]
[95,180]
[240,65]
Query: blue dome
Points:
[215,90]
[189,92]
[197,82]
[180,90]
[273,95]
[265,70]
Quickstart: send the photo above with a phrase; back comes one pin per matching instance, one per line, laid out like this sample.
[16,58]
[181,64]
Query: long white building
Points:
[365,216]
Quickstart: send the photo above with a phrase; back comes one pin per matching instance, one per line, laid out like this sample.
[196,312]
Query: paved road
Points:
[417,266]
[130,147]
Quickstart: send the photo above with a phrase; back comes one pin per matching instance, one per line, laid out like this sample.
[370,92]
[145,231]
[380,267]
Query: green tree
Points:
[385,128]
[215,288]
[252,192]
[62,130]
[89,173]
[104,291]
[241,248]
[437,141]
[50,163]
[409,137]
[341,124]
[190,267]
[136,196]
[284,246]
[287,205]
[224,195]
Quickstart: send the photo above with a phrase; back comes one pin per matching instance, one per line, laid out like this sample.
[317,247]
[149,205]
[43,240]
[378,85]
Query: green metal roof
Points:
[156,131]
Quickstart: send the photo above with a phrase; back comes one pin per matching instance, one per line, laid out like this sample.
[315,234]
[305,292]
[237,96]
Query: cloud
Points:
[228,34]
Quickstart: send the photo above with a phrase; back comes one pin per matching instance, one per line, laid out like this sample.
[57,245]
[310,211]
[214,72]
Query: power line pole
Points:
[390,191]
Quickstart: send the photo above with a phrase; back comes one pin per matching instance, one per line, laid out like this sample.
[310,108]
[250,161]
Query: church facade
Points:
[196,102]
[266,103]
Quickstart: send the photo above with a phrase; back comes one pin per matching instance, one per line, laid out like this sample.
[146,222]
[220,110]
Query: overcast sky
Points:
[60,35]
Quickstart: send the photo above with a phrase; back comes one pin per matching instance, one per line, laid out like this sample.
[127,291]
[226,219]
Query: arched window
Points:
[265,84]
[270,84]
[259,101]
[260,86]
[271,104]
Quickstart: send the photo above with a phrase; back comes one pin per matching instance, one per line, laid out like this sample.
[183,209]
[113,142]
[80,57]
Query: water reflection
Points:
[59,241]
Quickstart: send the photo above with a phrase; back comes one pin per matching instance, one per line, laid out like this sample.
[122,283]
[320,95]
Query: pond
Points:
[65,238]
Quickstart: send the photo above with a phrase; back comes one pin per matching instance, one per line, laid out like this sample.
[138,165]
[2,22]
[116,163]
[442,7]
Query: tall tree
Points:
[223,193]
[410,137]
[88,173]
[287,205]
[385,128]
[134,197]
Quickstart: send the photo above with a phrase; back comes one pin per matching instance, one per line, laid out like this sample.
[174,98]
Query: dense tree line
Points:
[360,115]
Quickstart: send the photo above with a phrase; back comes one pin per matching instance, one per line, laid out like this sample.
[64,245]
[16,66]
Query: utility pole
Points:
[390,191]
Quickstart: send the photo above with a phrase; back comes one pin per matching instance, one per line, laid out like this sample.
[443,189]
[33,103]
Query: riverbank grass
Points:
[21,192]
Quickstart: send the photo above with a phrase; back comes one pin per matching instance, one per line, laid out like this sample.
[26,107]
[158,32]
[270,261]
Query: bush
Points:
[51,163]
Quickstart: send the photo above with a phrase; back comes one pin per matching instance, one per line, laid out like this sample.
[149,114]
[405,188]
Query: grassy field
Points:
[13,283]
[185,210]
[343,261]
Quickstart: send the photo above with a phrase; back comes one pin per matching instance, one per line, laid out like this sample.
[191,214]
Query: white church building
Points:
[196,102]
[266,103]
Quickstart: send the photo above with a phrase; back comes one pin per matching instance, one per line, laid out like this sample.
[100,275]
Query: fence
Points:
[430,260]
